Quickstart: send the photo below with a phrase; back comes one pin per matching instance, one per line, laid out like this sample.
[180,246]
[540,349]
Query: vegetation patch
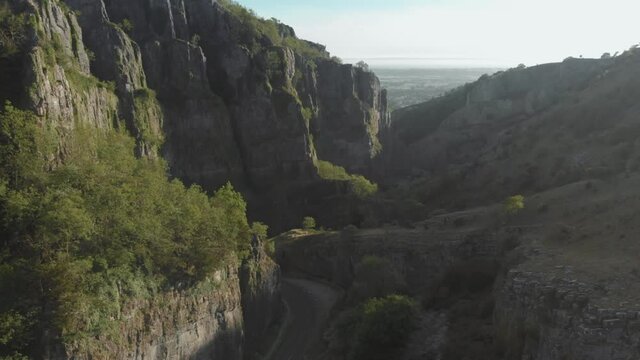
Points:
[359,185]
[375,330]
[513,204]
[308,223]
[80,239]
[13,31]
[255,28]
[146,107]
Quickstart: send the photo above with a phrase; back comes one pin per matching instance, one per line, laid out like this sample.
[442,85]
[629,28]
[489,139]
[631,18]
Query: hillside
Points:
[520,131]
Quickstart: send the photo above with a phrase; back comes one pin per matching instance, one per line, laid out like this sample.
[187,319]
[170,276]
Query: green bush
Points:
[514,204]
[126,25]
[376,330]
[384,328]
[375,277]
[308,223]
[259,229]
[13,31]
[82,237]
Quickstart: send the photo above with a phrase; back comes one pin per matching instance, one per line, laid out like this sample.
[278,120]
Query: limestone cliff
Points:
[238,104]
[104,87]
[201,323]
[224,317]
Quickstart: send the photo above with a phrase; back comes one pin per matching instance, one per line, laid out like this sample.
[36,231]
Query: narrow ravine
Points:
[309,304]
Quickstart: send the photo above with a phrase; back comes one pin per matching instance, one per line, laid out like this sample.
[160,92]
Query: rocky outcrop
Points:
[224,317]
[549,316]
[262,305]
[201,323]
[117,59]
[56,73]
[353,108]
[421,257]
[61,84]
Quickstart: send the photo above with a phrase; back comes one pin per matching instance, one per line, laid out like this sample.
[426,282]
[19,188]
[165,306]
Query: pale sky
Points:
[460,32]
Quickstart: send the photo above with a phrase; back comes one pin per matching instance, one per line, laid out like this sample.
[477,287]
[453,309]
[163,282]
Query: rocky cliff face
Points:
[224,317]
[201,323]
[236,106]
[220,102]
[353,109]
[543,316]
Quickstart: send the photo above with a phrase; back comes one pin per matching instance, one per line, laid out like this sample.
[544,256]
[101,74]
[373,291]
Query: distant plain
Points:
[410,86]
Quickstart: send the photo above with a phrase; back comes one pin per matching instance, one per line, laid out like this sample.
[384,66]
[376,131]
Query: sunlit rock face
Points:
[236,107]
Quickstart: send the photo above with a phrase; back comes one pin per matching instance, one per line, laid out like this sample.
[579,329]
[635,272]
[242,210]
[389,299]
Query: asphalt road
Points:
[309,306]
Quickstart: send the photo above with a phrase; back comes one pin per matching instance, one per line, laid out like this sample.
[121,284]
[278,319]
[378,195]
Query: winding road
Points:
[309,304]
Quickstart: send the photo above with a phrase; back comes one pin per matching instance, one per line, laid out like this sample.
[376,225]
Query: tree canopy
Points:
[85,234]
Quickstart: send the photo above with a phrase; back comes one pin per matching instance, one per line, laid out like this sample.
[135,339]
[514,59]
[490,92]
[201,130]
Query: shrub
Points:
[259,229]
[384,327]
[514,204]
[127,26]
[13,31]
[195,40]
[308,223]
[375,277]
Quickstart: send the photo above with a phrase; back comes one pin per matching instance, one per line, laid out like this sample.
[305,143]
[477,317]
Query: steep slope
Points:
[243,98]
[521,131]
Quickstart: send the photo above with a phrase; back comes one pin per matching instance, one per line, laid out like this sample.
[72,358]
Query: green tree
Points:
[308,223]
[22,146]
[375,277]
[13,31]
[385,326]
[513,204]
[127,26]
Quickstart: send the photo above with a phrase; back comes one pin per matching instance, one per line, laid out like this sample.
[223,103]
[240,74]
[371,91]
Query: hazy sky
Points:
[461,32]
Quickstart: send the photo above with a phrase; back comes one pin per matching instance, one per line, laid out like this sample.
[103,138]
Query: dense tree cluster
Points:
[85,230]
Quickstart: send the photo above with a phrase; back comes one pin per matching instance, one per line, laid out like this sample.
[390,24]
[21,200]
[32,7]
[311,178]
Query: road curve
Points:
[309,305]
